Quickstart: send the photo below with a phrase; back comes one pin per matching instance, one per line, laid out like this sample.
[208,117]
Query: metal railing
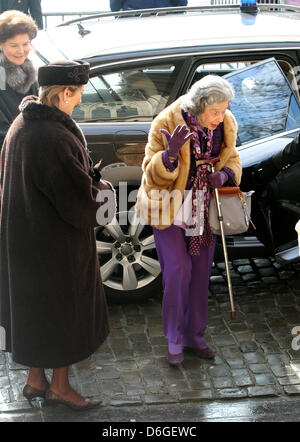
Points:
[66,15]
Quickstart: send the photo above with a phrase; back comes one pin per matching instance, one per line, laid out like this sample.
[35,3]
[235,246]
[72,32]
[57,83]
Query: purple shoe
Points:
[205,353]
[175,359]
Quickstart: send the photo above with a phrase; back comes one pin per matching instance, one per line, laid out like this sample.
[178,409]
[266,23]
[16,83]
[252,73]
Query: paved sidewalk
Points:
[254,358]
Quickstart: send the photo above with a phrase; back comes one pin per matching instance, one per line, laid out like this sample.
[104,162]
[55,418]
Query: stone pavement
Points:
[255,357]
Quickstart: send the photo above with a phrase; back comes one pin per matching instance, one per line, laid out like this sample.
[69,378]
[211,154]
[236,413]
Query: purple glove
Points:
[178,138]
[217,179]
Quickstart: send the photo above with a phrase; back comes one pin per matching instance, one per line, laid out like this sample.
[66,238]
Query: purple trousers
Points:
[185,284]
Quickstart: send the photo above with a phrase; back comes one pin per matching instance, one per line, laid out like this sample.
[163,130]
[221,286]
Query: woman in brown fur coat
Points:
[182,140]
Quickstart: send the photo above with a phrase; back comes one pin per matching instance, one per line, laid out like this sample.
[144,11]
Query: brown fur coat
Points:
[154,204]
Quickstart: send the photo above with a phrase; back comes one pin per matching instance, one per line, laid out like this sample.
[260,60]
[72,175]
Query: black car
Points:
[141,61]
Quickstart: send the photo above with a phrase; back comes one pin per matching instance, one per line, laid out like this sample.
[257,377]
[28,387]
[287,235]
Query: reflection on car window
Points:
[264,103]
[133,94]
[220,68]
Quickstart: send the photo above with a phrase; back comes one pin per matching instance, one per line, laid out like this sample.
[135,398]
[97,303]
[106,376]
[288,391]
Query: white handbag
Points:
[235,209]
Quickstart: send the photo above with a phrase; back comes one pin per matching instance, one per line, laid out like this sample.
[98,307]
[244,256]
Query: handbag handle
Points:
[228,191]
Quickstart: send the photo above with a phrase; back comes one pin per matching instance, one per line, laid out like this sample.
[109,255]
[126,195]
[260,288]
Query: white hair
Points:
[210,90]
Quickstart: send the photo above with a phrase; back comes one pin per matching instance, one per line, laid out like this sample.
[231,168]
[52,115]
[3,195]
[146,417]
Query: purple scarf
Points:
[202,235]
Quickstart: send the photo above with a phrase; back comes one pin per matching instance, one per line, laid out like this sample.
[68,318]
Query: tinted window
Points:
[221,68]
[264,103]
[138,93]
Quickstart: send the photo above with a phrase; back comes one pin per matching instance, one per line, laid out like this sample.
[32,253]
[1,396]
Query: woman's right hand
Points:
[178,138]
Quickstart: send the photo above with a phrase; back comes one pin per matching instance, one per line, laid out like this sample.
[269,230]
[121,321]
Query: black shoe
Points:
[31,393]
[205,353]
[54,399]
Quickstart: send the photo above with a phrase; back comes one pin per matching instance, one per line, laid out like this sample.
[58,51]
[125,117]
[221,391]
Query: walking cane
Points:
[220,217]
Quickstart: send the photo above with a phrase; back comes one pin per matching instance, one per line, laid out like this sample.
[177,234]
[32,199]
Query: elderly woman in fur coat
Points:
[182,140]
[52,302]
[17,74]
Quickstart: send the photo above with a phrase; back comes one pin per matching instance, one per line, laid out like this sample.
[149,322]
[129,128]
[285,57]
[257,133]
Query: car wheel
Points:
[128,261]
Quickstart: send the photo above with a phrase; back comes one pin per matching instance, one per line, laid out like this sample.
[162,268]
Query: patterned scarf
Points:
[201,233]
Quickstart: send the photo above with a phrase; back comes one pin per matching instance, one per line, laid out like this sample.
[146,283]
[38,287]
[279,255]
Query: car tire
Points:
[152,290]
[128,261]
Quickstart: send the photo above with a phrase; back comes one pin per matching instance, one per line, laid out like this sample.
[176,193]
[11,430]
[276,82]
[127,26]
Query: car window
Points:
[138,94]
[264,102]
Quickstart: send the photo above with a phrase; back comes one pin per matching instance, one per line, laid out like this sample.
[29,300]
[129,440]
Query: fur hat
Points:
[64,73]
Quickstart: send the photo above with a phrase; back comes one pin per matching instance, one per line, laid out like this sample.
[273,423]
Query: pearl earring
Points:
[66,101]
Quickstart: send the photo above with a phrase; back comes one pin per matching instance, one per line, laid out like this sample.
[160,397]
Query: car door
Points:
[268,114]
[266,106]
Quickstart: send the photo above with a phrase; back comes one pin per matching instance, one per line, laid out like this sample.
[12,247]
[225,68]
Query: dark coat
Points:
[281,173]
[52,302]
[10,98]
[32,7]
[117,5]
[279,162]
[9,107]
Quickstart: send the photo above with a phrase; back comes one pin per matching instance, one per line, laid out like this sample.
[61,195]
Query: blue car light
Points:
[249,6]
[248,3]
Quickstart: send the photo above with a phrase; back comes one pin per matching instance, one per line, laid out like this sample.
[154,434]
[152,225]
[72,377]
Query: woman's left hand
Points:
[217,179]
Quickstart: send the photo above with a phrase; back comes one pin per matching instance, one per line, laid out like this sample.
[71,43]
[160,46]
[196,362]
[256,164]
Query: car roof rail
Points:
[278,6]
[164,11]
[147,12]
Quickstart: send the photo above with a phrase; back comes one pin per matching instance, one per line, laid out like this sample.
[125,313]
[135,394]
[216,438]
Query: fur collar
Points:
[19,78]
[32,109]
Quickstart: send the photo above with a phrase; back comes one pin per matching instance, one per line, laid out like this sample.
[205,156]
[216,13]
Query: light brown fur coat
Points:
[154,204]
